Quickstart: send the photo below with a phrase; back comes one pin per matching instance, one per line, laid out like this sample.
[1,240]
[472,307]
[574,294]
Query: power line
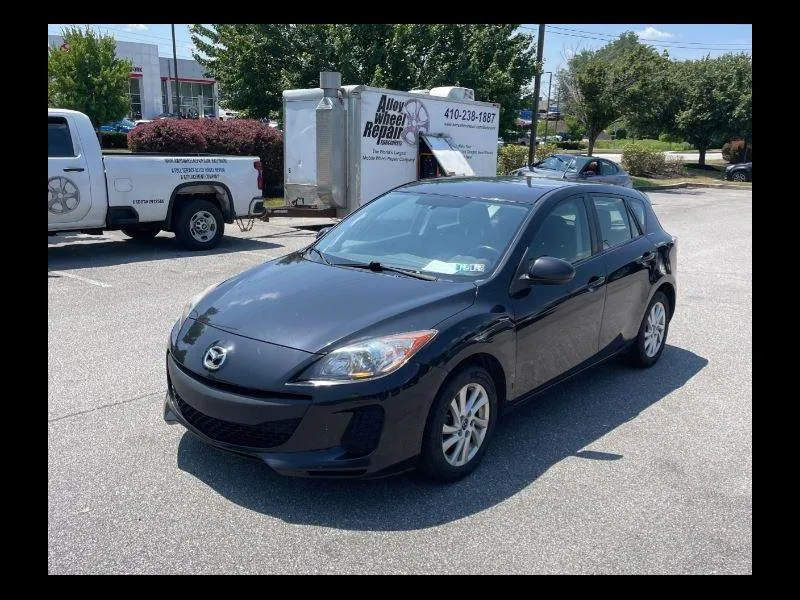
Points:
[166,40]
[645,41]
[611,36]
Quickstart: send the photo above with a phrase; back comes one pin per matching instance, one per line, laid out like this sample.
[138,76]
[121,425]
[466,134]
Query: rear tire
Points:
[199,225]
[652,338]
[141,233]
[458,419]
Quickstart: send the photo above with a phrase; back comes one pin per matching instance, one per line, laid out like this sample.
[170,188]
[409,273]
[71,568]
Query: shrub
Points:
[672,139]
[734,152]
[113,139]
[673,166]
[167,135]
[620,134]
[238,137]
[241,137]
[571,145]
[510,157]
[639,160]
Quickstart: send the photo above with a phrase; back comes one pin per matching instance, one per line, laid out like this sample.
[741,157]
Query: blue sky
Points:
[682,41]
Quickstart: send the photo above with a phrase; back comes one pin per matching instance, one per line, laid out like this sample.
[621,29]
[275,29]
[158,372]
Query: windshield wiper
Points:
[321,255]
[379,268]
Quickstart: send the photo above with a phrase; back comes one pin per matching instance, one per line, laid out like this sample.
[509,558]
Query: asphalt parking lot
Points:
[616,471]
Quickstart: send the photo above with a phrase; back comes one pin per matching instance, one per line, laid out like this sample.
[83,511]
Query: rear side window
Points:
[59,141]
[615,224]
[637,207]
[607,168]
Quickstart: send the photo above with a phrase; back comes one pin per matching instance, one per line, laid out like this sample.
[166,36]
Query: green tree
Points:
[255,63]
[622,79]
[87,76]
[714,97]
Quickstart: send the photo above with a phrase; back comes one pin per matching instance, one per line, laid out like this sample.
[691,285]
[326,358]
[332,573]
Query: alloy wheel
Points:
[466,424]
[654,330]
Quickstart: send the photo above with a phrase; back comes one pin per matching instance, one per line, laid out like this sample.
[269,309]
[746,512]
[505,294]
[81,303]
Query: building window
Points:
[135,93]
[197,99]
[164,98]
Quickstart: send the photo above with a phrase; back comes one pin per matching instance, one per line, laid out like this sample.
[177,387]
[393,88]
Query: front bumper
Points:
[333,431]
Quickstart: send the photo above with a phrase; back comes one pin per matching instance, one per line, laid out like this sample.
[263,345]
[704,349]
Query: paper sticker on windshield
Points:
[469,268]
[438,266]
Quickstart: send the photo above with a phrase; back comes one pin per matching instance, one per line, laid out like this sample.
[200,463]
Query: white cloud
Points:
[651,33]
[136,27]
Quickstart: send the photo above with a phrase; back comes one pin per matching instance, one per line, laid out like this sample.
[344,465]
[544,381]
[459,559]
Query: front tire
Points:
[739,176]
[141,233]
[460,425]
[200,225]
[652,338]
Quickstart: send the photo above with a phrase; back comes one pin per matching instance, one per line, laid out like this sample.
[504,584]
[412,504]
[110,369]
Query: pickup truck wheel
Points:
[141,233]
[199,225]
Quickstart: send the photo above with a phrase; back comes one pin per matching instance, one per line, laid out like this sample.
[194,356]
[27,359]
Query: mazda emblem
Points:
[214,358]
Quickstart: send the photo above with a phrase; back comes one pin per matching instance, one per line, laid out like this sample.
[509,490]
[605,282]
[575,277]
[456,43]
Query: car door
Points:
[628,256]
[558,325]
[69,195]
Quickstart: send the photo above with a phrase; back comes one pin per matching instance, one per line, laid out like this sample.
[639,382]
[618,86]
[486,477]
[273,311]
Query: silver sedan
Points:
[570,166]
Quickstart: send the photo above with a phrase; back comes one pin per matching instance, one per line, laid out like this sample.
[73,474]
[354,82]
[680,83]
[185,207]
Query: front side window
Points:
[59,140]
[564,233]
[615,224]
[450,237]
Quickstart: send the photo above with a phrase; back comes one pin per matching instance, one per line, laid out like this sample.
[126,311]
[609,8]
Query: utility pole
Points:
[537,87]
[547,114]
[175,63]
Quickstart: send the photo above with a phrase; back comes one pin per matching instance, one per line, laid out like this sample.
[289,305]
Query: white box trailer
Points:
[345,145]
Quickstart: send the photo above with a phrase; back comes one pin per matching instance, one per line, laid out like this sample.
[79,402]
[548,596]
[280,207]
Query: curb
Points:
[655,188]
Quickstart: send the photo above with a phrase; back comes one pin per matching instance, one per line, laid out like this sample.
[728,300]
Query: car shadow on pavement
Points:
[559,424]
[118,252]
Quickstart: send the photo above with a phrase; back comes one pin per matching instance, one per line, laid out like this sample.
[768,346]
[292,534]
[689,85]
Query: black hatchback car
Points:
[397,339]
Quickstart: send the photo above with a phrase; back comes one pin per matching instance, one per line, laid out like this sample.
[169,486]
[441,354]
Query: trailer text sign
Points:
[389,128]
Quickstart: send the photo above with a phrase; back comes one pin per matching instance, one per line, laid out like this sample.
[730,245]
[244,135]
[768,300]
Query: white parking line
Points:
[79,278]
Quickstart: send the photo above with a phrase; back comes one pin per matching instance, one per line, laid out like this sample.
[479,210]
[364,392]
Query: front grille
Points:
[262,435]
[363,431]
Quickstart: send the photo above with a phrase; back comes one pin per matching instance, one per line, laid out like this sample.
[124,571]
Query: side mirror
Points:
[549,270]
[323,231]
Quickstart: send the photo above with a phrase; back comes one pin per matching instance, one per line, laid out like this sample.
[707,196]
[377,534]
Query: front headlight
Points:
[189,306]
[367,359]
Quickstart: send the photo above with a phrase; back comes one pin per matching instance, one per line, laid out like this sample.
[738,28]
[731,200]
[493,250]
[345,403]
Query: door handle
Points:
[595,282]
[74,170]
[648,257]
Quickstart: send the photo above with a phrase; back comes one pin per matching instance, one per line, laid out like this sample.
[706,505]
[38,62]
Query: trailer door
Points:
[450,160]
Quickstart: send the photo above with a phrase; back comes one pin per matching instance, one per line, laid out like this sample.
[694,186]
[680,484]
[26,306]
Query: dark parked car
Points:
[400,335]
[739,172]
[581,167]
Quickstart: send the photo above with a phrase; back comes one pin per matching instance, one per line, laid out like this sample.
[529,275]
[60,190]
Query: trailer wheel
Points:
[199,225]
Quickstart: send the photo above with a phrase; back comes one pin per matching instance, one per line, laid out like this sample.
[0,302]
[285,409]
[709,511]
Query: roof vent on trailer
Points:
[456,93]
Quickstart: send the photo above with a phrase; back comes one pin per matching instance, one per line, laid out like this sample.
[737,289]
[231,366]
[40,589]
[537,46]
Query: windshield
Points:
[559,162]
[445,236]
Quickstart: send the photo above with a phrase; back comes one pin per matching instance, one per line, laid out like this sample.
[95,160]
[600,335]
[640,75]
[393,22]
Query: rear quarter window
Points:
[637,207]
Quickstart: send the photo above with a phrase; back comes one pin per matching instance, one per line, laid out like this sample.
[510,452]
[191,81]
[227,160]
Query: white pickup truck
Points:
[142,194]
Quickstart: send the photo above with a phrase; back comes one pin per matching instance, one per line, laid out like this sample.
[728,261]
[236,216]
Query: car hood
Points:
[310,306]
